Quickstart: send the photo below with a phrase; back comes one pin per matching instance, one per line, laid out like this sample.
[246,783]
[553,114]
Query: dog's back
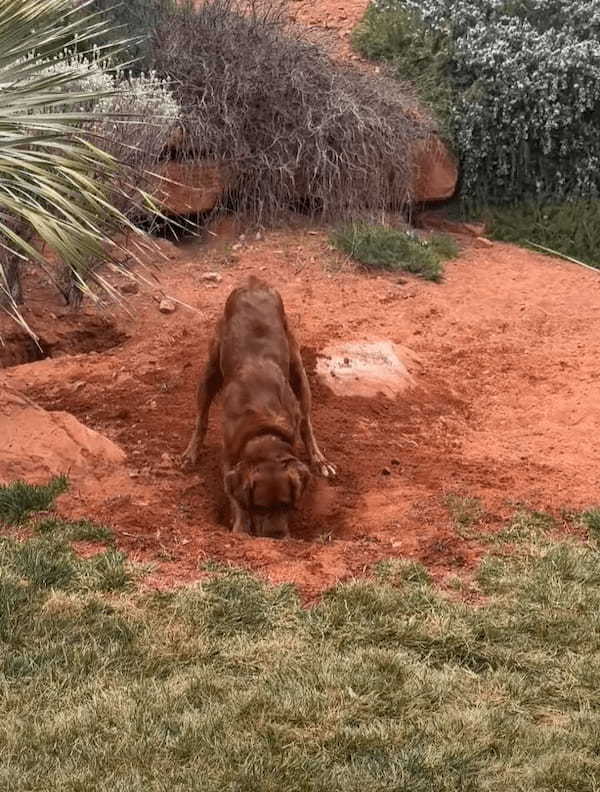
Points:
[254,328]
[255,360]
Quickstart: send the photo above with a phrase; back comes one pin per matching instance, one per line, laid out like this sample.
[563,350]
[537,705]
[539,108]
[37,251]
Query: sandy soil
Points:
[504,354]
[505,359]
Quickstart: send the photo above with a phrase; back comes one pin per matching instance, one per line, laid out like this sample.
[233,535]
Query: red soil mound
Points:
[504,407]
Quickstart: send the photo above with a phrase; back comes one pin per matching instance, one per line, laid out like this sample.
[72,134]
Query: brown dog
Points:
[254,357]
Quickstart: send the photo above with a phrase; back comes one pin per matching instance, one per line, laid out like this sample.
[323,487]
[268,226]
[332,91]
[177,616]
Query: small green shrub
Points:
[444,245]
[417,54]
[19,499]
[381,247]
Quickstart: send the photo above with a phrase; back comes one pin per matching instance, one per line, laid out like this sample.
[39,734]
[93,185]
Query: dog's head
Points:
[268,490]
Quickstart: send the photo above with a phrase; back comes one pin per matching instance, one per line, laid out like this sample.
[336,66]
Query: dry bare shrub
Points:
[289,123]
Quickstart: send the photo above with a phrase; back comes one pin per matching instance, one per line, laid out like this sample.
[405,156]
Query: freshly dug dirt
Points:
[37,444]
[504,406]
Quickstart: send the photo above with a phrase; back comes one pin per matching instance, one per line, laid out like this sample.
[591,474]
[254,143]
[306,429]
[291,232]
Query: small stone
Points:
[476,229]
[237,246]
[165,460]
[386,471]
[485,242]
[395,461]
[131,287]
[167,306]
[211,277]
[401,281]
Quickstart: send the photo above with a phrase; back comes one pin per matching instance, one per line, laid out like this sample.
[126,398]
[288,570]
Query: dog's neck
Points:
[273,426]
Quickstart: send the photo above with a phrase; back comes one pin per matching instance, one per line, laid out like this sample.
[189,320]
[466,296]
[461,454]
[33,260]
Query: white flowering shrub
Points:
[138,117]
[139,120]
[520,84]
[94,78]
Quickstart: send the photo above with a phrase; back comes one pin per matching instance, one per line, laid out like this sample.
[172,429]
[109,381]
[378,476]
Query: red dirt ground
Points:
[505,406]
[334,18]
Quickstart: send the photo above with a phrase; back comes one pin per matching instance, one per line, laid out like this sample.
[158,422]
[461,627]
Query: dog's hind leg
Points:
[301,387]
[208,387]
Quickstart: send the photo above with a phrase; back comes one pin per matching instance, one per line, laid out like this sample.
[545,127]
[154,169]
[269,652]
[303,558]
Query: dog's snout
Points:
[271,526]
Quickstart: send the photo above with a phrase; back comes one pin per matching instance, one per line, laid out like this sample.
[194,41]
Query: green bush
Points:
[380,247]
[518,88]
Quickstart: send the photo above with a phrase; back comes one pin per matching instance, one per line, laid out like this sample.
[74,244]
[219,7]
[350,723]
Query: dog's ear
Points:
[239,486]
[299,477]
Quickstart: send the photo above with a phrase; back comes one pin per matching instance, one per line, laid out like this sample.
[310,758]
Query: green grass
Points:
[465,511]
[570,229]
[232,685]
[591,520]
[525,526]
[19,499]
[77,531]
[380,247]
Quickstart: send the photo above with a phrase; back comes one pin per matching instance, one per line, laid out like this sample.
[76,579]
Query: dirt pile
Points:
[36,444]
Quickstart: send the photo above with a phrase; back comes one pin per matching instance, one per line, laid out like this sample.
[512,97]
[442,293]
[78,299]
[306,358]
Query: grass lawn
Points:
[387,684]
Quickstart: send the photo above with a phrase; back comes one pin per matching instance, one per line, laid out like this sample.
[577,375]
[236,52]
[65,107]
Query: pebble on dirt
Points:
[167,306]
[211,277]
[131,287]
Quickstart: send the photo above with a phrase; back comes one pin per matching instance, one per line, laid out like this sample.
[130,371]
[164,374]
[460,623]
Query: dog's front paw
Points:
[241,525]
[325,468]
[189,460]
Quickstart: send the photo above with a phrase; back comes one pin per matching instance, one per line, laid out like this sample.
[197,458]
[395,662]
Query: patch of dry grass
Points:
[232,685]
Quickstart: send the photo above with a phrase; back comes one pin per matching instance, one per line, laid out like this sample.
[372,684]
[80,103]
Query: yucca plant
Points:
[54,177]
